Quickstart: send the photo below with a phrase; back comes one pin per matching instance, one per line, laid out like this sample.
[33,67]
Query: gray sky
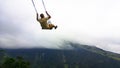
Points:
[92,22]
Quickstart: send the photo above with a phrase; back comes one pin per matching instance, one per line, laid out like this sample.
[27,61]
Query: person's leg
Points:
[51,26]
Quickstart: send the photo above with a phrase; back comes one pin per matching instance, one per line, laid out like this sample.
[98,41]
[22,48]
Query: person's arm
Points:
[48,15]
[37,16]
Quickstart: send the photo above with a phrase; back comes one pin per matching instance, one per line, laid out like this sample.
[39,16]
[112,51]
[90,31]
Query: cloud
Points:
[87,22]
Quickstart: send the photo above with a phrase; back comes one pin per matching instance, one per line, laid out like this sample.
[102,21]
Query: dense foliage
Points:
[9,62]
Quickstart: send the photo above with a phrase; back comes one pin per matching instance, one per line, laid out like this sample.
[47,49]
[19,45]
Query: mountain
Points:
[74,56]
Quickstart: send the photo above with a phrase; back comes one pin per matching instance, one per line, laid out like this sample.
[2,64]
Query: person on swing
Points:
[43,21]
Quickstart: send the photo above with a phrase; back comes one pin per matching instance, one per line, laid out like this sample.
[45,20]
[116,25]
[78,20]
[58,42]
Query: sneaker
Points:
[55,27]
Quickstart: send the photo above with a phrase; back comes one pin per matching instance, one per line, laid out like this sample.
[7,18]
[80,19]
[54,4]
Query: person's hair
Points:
[42,15]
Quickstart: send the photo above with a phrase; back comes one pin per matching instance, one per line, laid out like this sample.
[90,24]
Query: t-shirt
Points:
[43,22]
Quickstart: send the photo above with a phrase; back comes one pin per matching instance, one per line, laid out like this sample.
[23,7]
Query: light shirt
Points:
[43,22]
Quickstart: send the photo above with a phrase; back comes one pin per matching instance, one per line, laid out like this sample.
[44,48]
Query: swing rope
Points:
[44,5]
[34,6]
[49,21]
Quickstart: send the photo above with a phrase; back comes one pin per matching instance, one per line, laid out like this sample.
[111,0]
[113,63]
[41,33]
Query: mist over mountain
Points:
[72,55]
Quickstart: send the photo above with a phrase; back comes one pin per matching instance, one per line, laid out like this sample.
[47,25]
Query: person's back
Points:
[43,22]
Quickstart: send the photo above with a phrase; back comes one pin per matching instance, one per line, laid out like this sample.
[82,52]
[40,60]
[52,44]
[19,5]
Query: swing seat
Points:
[50,28]
[46,29]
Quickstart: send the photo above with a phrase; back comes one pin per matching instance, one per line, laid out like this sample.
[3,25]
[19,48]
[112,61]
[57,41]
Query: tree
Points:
[18,62]
[21,63]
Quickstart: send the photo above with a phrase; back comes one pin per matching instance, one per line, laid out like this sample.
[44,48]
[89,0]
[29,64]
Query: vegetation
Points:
[80,57]
[9,62]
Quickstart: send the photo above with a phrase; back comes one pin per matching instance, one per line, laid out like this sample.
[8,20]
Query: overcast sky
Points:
[92,22]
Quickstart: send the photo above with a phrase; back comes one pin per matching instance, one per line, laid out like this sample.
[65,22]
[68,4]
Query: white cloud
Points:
[85,21]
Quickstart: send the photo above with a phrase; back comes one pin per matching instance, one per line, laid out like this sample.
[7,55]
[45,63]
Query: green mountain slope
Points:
[78,56]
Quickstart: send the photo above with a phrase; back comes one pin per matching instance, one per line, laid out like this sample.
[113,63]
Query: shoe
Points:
[55,27]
